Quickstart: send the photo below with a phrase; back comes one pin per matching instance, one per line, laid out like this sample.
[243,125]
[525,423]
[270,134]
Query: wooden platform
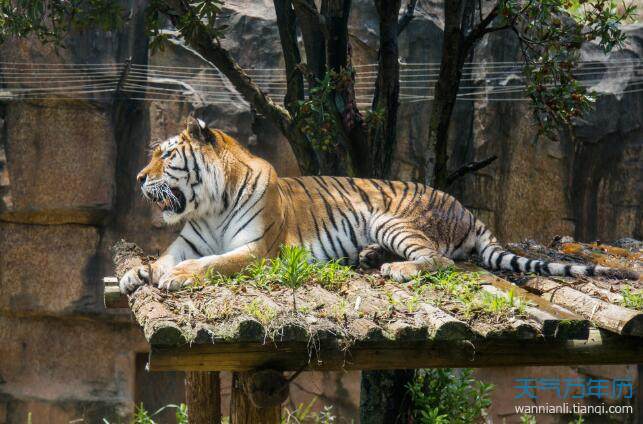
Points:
[371,323]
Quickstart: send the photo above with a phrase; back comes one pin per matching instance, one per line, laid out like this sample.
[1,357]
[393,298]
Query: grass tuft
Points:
[632,298]
[462,293]
[293,268]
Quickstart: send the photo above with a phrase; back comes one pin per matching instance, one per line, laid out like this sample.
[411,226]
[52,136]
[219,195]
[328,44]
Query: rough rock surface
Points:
[68,192]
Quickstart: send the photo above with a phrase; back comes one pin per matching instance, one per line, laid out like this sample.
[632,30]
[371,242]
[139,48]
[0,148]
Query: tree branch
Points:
[481,29]
[408,16]
[203,43]
[469,168]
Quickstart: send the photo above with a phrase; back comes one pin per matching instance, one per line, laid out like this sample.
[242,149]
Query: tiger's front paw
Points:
[182,275]
[133,279]
[371,256]
[400,271]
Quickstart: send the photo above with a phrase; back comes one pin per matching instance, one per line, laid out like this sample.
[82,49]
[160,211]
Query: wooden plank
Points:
[600,348]
[549,325]
[114,299]
[440,324]
[603,314]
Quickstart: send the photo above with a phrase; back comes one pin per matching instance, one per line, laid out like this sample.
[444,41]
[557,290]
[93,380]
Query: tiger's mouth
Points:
[175,203]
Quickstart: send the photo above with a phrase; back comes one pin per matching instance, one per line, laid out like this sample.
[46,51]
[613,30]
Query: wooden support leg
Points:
[203,397]
[384,397]
[257,397]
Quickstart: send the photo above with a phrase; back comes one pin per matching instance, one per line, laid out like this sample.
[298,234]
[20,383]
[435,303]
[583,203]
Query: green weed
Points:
[448,396]
[262,312]
[293,268]
[632,298]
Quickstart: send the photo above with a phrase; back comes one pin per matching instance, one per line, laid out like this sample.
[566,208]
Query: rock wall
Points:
[67,192]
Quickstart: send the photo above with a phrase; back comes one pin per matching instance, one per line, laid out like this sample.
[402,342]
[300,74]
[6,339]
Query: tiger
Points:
[235,208]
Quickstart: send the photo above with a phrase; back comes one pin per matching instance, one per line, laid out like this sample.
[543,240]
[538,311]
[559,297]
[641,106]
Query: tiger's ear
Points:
[198,130]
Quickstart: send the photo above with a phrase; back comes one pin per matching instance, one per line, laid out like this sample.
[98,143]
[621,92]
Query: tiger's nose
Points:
[141,177]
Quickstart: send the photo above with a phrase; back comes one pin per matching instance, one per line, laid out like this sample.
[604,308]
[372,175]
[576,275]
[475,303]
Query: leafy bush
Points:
[448,396]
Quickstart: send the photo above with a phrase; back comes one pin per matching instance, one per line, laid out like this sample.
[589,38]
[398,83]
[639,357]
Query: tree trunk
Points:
[335,13]
[292,58]
[313,36]
[387,89]
[458,15]
[203,397]
[384,397]
[243,410]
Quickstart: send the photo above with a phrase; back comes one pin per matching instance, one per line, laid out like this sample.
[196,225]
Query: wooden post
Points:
[384,397]
[203,397]
[257,397]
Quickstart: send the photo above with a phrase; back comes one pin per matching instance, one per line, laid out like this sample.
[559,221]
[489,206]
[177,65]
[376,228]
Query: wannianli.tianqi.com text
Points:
[573,408]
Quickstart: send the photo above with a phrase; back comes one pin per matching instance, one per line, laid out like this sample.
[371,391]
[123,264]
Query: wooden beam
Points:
[611,317]
[203,397]
[600,348]
[112,296]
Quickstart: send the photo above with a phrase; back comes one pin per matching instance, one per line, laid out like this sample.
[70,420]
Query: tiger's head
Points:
[187,174]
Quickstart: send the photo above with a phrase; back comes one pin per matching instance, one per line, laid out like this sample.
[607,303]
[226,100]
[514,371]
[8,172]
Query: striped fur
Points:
[236,209]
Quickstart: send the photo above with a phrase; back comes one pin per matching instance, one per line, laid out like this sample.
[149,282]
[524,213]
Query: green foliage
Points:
[448,396]
[527,419]
[465,290]
[551,33]
[632,298]
[317,118]
[193,23]
[293,268]
[50,20]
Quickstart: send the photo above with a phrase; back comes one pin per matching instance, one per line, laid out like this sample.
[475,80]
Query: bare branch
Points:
[469,168]
[481,29]
[408,16]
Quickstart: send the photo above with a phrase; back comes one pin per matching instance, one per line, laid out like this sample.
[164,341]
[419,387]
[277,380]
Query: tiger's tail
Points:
[494,256]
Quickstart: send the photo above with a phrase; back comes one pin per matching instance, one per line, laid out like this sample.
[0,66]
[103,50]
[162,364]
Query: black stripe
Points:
[514,264]
[170,175]
[466,234]
[412,251]
[329,210]
[528,265]
[538,267]
[400,201]
[405,238]
[176,168]
[590,271]
[351,231]
[197,170]
[263,234]
[319,237]
[192,246]
[330,239]
[198,233]
[248,222]
[568,270]
[499,259]
[303,186]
